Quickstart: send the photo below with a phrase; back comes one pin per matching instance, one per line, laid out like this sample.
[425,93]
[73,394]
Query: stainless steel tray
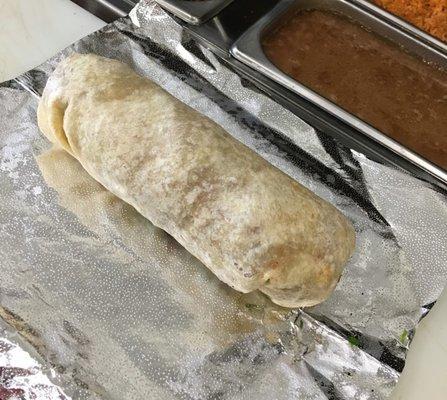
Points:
[248,50]
[401,23]
[107,10]
[194,11]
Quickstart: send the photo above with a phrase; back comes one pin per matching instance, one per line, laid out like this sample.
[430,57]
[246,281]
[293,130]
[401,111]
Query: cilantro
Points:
[404,337]
[353,341]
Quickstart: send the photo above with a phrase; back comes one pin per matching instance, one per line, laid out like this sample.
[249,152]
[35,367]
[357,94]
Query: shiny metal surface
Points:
[118,310]
[194,12]
[248,50]
[107,10]
[219,34]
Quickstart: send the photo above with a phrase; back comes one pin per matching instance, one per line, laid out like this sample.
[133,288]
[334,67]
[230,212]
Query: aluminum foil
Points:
[116,309]
[22,375]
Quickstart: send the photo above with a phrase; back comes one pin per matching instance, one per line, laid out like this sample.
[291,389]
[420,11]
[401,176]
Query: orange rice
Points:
[428,15]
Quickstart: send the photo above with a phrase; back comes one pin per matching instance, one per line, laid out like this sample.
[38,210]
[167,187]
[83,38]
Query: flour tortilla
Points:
[252,225]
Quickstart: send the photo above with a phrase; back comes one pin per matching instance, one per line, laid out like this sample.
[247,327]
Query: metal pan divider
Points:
[402,24]
[194,12]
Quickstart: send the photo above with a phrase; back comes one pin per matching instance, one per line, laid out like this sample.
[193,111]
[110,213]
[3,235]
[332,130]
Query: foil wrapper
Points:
[116,309]
[23,375]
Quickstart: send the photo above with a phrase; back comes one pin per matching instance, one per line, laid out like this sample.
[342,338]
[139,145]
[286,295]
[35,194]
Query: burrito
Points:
[251,224]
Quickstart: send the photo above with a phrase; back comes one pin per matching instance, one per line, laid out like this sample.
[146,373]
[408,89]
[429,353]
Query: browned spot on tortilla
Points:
[325,275]
[280,255]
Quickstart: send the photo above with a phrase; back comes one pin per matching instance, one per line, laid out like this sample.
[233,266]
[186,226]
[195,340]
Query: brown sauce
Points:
[370,77]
